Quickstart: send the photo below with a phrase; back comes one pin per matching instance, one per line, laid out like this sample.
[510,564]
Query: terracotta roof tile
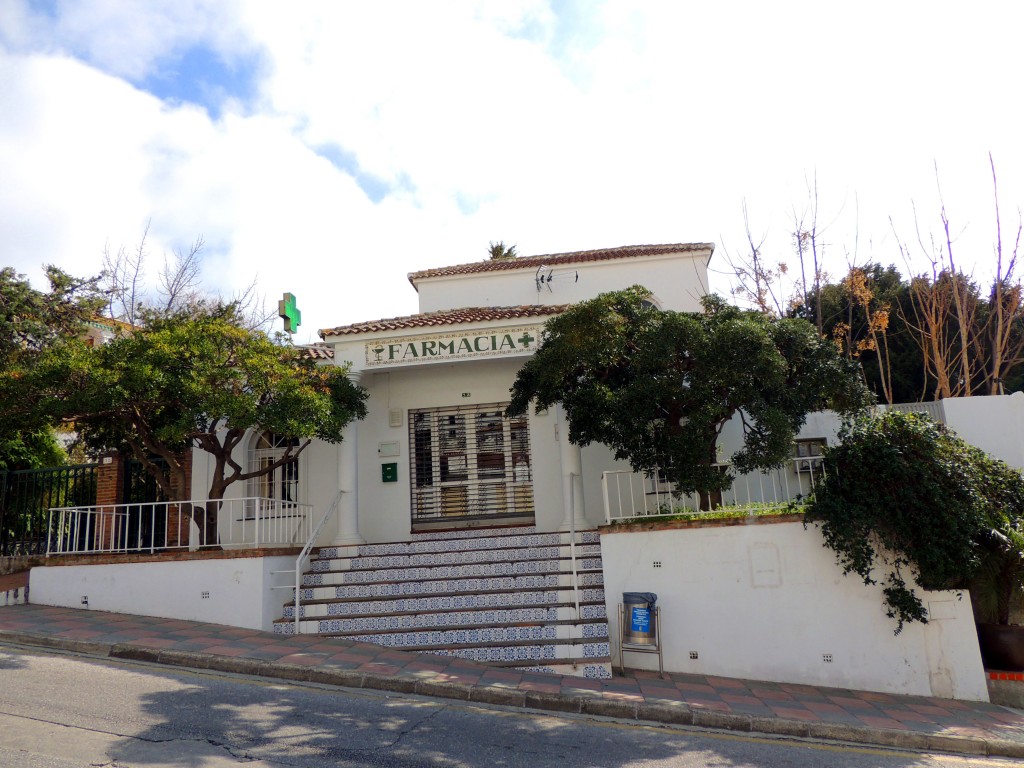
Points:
[578,257]
[318,352]
[448,317]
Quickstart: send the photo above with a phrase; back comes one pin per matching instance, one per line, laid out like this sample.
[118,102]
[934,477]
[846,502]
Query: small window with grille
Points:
[808,454]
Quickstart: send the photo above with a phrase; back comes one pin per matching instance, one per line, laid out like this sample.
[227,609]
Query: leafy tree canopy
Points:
[30,449]
[31,319]
[31,322]
[658,386]
[194,376]
[903,499]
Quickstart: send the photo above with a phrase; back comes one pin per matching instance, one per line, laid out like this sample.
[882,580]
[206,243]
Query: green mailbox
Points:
[389,473]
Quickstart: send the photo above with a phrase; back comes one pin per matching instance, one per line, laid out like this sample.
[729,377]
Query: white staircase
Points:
[500,596]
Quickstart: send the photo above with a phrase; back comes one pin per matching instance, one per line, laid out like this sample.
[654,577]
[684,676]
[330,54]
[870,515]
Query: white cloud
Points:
[554,127]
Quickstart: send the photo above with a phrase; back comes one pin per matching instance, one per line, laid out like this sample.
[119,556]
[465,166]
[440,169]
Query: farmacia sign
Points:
[452,346]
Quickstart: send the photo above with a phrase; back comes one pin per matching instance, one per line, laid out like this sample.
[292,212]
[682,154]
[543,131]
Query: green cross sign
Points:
[525,339]
[289,311]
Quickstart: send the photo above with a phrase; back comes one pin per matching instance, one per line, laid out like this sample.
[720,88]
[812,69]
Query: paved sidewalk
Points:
[910,722]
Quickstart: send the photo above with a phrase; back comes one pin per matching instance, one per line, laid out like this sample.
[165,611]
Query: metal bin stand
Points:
[647,646]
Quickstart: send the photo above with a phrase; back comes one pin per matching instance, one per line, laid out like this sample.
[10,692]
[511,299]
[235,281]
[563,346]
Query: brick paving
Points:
[915,722]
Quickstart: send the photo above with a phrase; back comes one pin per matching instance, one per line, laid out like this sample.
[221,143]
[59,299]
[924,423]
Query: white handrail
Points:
[641,494]
[305,553]
[572,543]
[121,528]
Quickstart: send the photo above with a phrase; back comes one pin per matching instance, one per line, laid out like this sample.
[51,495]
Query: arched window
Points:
[283,483]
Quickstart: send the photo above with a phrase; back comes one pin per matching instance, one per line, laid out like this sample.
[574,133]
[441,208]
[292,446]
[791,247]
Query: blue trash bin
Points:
[638,625]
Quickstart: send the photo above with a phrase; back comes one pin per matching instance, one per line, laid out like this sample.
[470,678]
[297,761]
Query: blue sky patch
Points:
[202,76]
[374,187]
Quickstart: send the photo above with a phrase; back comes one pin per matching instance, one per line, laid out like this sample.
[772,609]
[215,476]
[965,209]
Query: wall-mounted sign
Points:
[452,346]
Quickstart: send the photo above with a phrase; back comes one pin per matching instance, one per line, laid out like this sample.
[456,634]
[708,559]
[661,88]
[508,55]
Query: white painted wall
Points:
[240,589]
[678,282]
[767,602]
[994,424]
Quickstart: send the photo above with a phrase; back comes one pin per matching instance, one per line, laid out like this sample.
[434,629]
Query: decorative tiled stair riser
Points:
[503,597]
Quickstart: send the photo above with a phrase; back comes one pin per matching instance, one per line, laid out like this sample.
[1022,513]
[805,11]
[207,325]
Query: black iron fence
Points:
[146,523]
[26,496]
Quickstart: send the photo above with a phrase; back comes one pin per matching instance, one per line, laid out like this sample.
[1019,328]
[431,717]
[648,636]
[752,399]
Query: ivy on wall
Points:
[904,501]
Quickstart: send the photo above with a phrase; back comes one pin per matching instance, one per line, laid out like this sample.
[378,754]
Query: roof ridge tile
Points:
[457,316]
[573,257]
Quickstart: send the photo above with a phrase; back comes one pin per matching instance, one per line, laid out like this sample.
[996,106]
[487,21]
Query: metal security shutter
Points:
[469,462]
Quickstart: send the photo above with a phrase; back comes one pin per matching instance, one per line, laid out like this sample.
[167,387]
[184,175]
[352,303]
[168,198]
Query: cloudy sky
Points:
[329,148]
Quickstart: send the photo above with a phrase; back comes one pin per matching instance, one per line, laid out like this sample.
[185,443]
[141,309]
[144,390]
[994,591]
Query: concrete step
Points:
[491,633]
[429,559]
[511,654]
[14,596]
[500,596]
[438,545]
[593,669]
[335,586]
[452,609]
[438,603]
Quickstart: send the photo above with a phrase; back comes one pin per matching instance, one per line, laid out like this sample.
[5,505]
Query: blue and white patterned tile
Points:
[595,630]
[597,672]
[595,650]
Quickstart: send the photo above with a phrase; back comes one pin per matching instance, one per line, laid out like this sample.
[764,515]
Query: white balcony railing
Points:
[630,495]
[157,526]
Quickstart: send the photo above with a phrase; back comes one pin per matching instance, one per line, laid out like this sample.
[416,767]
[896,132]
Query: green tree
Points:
[659,386]
[904,500]
[195,377]
[864,313]
[500,251]
[32,322]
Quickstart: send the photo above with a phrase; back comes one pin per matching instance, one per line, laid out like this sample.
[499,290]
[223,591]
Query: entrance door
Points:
[470,464]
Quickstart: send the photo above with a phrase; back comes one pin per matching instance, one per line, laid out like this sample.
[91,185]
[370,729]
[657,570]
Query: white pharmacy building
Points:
[453,530]
[435,452]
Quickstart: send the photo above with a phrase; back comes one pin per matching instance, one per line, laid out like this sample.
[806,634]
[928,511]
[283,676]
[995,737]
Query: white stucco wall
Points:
[240,593]
[994,424]
[768,602]
[678,282]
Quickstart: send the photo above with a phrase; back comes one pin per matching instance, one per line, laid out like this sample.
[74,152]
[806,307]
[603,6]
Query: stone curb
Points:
[661,713]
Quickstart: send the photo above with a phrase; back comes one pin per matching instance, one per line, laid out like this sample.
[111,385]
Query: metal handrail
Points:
[573,574]
[118,528]
[305,553]
[641,494]
[572,543]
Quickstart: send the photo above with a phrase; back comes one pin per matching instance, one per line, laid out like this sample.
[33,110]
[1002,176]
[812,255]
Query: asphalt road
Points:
[59,710]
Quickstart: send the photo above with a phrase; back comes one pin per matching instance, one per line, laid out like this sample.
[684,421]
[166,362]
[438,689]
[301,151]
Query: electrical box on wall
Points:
[389,473]
[387,450]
